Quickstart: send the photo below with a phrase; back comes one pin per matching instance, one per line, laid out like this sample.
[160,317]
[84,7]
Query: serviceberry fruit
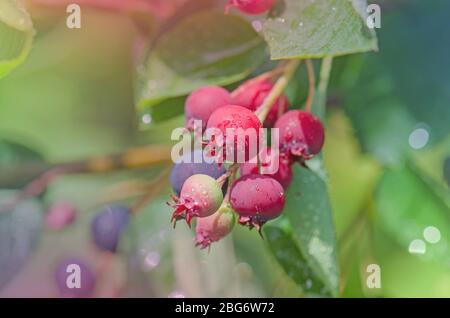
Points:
[233,118]
[108,225]
[65,278]
[203,102]
[183,170]
[214,227]
[283,174]
[301,134]
[257,199]
[200,196]
[252,94]
[60,215]
[251,6]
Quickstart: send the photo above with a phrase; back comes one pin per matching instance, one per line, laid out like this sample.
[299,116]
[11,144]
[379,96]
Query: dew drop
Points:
[417,247]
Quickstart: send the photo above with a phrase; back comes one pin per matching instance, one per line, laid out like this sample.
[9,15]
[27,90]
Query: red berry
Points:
[214,227]
[252,94]
[203,102]
[200,196]
[257,199]
[251,6]
[235,120]
[301,134]
[283,174]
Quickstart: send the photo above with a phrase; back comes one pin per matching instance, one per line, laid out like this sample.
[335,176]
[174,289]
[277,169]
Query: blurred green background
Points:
[388,135]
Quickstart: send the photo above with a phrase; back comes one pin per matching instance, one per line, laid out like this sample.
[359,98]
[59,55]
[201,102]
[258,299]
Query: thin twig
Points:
[277,89]
[141,157]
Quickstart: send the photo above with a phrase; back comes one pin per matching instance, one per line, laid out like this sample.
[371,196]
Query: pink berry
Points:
[251,6]
[214,227]
[257,199]
[283,174]
[60,215]
[252,94]
[200,196]
[235,120]
[203,102]
[301,134]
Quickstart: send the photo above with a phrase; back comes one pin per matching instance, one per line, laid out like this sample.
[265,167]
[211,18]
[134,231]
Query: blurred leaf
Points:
[416,57]
[69,101]
[406,205]
[352,175]
[447,170]
[18,164]
[406,85]
[16,35]
[314,29]
[205,48]
[19,229]
[11,152]
[292,260]
[407,275]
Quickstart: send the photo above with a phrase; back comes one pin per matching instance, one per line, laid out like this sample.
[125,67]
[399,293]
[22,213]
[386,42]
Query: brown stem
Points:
[155,188]
[233,171]
[141,157]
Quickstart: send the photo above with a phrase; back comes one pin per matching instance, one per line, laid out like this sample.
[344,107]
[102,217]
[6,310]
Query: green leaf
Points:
[304,242]
[16,35]
[19,230]
[205,48]
[308,209]
[314,29]
[18,164]
[164,110]
[292,260]
[406,206]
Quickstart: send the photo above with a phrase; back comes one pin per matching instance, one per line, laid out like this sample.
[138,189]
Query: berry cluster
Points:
[256,194]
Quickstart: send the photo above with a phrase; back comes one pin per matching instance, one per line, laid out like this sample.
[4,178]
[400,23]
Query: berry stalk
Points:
[322,88]
[277,89]
[312,85]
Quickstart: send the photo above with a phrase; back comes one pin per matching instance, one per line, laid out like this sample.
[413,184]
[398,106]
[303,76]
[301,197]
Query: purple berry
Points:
[183,170]
[108,225]
[74,278]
